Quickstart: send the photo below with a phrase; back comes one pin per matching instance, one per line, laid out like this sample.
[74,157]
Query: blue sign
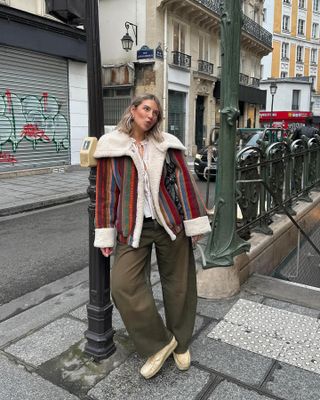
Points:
[159,52]
[145,52]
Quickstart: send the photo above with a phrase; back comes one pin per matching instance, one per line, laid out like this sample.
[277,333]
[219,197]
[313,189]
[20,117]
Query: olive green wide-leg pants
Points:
[133,296]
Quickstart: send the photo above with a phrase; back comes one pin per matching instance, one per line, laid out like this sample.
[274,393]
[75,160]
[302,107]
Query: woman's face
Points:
[145,115]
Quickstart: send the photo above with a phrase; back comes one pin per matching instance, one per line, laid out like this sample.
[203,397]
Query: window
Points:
[179,37]
[313,81]
[295,99]
[285,51]
[299,54]
[301,3]
[283,74]
[301,23]
[203,48]
[286,1]
[315,31]
[285,23]
[315,5]
[313,56]
[264,15]
[115,101]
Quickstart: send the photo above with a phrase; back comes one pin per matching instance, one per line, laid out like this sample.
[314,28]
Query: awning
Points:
[247,94]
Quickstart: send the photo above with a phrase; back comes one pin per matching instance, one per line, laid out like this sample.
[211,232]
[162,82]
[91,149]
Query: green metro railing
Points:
[290,168]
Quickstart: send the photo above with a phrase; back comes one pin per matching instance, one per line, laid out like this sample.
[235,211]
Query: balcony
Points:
[243,79]
[254,82]
[248,80]
[207,14]
[249,25]
[205,67]
[181,59]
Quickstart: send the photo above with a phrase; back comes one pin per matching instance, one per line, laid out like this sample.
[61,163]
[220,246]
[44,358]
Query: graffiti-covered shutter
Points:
[34,110]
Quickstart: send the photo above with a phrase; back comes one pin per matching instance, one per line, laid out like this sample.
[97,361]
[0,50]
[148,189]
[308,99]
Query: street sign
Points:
[145,52]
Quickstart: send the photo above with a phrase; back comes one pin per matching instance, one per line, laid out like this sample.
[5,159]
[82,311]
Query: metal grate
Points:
[303,264]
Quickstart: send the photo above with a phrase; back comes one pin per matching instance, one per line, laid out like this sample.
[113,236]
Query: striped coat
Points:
[120,191]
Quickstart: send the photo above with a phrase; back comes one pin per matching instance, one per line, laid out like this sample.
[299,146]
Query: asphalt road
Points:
[39,247]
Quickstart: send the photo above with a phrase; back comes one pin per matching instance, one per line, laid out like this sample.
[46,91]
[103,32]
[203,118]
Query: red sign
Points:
[284,119]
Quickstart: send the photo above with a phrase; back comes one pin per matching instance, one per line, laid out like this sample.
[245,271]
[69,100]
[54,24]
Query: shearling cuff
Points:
[197,226]
[104,237]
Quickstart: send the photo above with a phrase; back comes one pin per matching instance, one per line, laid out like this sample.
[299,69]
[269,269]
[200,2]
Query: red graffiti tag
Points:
[6,157]
[32,131]
[45,101]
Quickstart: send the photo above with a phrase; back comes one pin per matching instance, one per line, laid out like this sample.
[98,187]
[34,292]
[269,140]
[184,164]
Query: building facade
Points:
[43,88]
[176,55]
[295,25]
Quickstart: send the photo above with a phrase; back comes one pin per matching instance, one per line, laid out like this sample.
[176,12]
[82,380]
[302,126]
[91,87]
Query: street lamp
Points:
[273,91]
[127,40]
[99,334]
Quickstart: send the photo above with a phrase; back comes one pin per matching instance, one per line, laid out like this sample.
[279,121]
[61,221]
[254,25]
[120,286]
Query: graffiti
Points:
[32,118]
[6,157]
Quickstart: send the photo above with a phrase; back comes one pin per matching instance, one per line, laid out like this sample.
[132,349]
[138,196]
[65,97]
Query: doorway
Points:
[199,139]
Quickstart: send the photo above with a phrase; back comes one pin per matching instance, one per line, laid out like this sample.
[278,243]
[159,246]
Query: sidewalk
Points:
[261,344]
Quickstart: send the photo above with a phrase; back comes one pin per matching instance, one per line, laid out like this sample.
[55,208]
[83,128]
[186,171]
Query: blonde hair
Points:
[125,123]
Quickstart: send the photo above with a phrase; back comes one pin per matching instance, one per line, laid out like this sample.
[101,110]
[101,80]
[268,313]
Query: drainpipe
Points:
[165,71]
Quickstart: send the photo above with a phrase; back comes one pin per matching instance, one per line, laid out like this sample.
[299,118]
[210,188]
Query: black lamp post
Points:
[273,91]
[100,333]
[127,40]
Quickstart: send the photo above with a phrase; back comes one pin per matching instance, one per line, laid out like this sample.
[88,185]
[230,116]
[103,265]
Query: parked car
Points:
[245,137]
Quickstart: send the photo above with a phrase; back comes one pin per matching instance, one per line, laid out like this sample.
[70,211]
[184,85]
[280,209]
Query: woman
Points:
[146,196]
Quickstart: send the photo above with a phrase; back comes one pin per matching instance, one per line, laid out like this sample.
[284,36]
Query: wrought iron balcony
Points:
[249,25]
[256,30]
[243,79]
[254,82]
[205,67]
[181,59]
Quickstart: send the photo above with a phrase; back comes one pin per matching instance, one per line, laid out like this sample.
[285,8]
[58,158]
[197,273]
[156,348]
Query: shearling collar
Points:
[117,144]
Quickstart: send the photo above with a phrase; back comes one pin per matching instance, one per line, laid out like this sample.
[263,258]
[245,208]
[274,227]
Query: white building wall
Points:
[283,97]
[267,24]
[78,103]
[112,29]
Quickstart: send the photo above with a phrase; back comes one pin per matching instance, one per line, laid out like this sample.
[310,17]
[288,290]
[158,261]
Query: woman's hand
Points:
[107,251]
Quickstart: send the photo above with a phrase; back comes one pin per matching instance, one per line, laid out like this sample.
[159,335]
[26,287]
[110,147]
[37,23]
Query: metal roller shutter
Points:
[34,110]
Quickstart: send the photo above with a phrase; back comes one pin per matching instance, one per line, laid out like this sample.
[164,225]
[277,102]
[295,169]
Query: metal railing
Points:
[291,169]
[205,67]
[181,59]
[249,25]
[243,79]
[254,81]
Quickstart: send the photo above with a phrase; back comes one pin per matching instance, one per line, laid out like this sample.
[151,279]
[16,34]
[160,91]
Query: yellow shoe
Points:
[183,360]
[155,362]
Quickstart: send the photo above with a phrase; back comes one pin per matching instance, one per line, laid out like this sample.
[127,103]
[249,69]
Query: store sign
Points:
[144,53]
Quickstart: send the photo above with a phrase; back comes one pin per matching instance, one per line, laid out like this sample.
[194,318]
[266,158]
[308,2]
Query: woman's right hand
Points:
[107,251]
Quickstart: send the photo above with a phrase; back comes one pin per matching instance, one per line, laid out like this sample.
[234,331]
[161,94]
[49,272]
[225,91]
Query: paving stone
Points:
[227,390]
[19,384]
[217,309]
[170,383]
[272,321]
[242,337]
[244,365]
[283,305]
[293,383]
[81,313]
[199,322]
[48,342]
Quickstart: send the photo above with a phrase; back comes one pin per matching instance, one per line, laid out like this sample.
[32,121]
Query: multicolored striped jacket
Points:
[120,191]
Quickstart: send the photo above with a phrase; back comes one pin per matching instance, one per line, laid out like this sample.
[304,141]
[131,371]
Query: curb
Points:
[4,212]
